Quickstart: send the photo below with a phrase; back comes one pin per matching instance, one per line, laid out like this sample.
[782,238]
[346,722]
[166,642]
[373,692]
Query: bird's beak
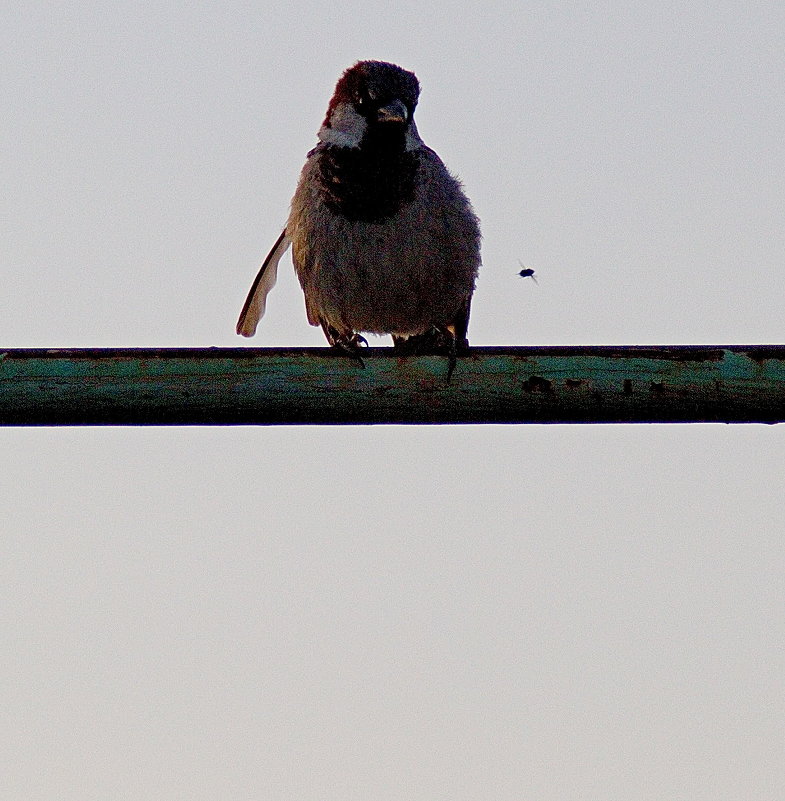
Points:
[393,112]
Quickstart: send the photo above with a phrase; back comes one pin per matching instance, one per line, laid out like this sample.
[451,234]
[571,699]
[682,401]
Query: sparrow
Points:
[384,240]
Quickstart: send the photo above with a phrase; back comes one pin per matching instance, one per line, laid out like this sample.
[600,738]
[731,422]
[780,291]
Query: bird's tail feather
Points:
[256,302]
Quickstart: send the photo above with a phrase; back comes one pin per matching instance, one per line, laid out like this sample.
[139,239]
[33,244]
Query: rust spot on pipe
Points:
[764,354]
[537,383]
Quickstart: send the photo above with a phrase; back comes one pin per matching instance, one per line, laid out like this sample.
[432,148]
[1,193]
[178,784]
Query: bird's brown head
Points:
[370,96]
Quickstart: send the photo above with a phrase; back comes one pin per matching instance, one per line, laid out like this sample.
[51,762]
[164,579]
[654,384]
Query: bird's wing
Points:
[254,306]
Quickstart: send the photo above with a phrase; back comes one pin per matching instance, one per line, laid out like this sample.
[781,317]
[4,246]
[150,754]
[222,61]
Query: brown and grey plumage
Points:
[384,240]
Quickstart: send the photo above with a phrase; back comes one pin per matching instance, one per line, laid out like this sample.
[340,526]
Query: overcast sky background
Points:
[393,613]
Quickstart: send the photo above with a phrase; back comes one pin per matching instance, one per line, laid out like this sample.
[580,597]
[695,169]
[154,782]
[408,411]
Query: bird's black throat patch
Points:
[371,182]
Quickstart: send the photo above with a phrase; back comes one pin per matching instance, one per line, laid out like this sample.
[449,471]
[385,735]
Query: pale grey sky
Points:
[393,613]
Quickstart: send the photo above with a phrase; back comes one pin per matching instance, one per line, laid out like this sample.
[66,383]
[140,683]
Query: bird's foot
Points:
[437,341]
[348,343]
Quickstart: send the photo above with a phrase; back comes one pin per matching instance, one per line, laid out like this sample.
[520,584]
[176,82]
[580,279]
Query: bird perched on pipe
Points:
[384,240]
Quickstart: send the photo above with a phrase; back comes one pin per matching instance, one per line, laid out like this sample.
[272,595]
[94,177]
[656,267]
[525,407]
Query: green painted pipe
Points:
[296,386]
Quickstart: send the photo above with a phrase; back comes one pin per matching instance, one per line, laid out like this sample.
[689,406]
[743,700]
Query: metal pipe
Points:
[317,386]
